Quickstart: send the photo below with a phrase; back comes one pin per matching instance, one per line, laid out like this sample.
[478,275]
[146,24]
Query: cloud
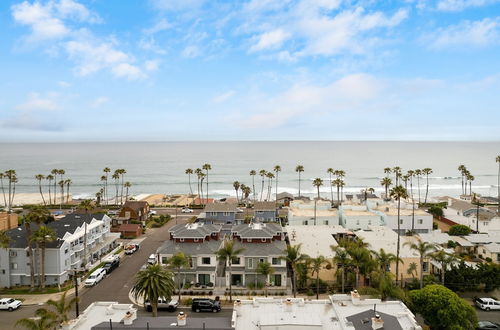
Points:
[161,25]
[99,101]
[270,40]
[32,123]
[191,51]
[177,5]
[459,5]
[52,20]
[151,65]
[481,33]
[37,102]
[223,97]
[64,84]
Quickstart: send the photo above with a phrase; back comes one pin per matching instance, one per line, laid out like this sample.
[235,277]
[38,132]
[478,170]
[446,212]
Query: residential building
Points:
[128,230]
[284,198]
[260,242]
[317,241]
[491,251]
[81,240]
[485,245]
[410,217]
[222,213]
[200,243]
[465,213]
[302,212]
[103,312]
[265,211]
[8,220]
[355,217]
[133,210]
[348,312]
[382,237]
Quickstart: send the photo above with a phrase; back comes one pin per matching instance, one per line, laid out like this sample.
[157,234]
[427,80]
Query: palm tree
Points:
[202,177]
[207,167]
[424,250]
[40,177]
[189,171]
[236,186]
[38,215]
[106,170]
[293,257]
[12,177]
[61,185]
[127,186]
[68,182]
[3,189]
[152,283]
[340,174]
[227,253]
[339,183]
[316,266]
[122,175]
[265,268]
[386,183]
[360,258]
[299,169]
[385,259]
[387,171]
[199,173]
[4,239]
[397,193]
[426,171]
[263,174]
[444,259]
[253,173]
[86,205]
[277,169]
[49,178]
[366,192]
[270,177]
[397,173]
[116,177]
[62,308]
[498,183]
[55,173]
[330,171]
[61,172]
[418,173]
[245,192]
[104,181]
[179,261]
[318,182]
[462,170]
[98,196]
[412,269]
[470,178]
[342,260]
[41,237]
[43,320]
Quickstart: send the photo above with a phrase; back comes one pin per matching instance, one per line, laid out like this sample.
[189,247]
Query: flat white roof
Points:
[381,237]
[315,240]
[493,247]
[436,237]
[99,312]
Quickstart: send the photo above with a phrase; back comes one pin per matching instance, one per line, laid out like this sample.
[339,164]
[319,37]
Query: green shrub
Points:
[459,230]
[310,293]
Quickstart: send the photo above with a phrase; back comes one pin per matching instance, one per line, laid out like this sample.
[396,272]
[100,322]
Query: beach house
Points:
[82,239]
[355,217]
[221,213]
[200,243]
[134,210]
[411,218]
[312,213]
[265,211]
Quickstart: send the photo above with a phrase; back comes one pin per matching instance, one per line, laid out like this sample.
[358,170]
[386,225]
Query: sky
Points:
[174,70]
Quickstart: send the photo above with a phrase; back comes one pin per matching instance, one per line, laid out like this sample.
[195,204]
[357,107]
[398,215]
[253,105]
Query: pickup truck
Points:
[170,305]
[131,248]
[9,304]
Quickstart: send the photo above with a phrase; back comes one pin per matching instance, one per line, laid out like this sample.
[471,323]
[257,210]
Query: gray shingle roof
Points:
[68,224]
[221,207]
[260,230]
[264,206]
[194,230]
[207,247]
[363,321]
[275,248]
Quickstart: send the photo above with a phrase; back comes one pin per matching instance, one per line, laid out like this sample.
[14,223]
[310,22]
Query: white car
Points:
[163,303]
[151,212]
[152,259]
[187,210]
[9,304]
[488,304]
[95,277]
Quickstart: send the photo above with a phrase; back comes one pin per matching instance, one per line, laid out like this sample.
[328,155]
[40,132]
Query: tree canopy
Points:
[459,230]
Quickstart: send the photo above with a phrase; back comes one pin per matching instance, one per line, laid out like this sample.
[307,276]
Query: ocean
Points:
[159,167]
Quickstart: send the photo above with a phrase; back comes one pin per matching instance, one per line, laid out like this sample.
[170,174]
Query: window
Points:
[3,271]
[357,222]
[485,223]
[250,263]
[326,222]
[205,261]
[13,253]
[66,251]
[164,260]
[400,221]
[262,259]
[13,265]
[425,266]
[235,261]
[420,221]
[276,261]
[226,214]
[369,222]
[191,263]
[304,222]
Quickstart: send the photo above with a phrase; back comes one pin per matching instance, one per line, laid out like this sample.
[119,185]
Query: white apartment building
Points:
[301,212]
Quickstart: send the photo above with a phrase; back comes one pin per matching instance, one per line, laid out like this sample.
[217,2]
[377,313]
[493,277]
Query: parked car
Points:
[487,304]
[186,210]
[152,259]
[152,212]
[9,304]
[111,263]
[487,325]
[168,304]
[95,277]
[205,305]
[131,248]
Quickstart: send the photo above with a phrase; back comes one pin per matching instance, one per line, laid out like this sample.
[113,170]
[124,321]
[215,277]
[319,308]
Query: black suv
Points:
[205,305]
[110,265]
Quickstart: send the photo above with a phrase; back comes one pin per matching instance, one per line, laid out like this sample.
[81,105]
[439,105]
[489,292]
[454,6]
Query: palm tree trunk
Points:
[418,187]
[27,225]
[318,192]
[67,193]
[207,189]
[299,192]
[276,197]
[10,189]
[317,285]
[421,272]
[398,242]
[253,187]
[40,189]
[3,191]
[426,189]
[40,265]
[50,195]
[338,195]
[190,188]
[121,191]
[331,189]
[343,278]
[230,283]
[126,194]
[154,305]
[262,189]
[179,283]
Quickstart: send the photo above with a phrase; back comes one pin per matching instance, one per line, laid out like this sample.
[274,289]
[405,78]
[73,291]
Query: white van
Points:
[152,259]
[95,277]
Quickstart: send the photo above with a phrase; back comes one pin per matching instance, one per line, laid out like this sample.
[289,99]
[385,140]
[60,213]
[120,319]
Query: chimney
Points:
[288,305]
[355,297]
[129,318]
[181,319]
[377,322]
